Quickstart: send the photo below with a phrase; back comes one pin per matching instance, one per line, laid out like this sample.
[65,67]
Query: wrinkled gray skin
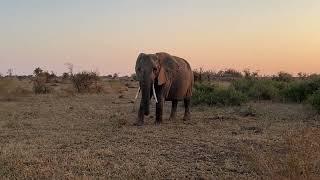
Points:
[173,80]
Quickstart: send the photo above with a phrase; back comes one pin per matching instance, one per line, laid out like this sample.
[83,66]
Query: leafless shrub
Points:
[87,82]
[39,81]
[210,75]
[49,77]
[250,75]
[283,76]
[65,76]
[115,76]
[10,72]
[40,86]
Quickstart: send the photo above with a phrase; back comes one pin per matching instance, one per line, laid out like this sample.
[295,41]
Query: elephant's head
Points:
[153,70]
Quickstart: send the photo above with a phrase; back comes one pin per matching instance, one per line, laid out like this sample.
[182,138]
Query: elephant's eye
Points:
[155,69]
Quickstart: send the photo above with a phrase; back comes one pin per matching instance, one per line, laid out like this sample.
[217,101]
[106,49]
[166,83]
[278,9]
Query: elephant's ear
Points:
[168,68]
[162,77]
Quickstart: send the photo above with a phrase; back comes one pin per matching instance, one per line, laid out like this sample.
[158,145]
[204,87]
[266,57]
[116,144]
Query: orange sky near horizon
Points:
[269,36]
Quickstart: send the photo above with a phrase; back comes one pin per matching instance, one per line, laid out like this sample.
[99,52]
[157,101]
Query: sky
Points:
[108,35]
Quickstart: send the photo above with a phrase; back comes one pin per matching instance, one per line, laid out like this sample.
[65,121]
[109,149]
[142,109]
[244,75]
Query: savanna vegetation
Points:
[249,86]
[79,126]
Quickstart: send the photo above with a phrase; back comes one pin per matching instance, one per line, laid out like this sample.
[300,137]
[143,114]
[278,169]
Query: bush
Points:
[250,75]
[40,80]
[283,76]
[264,90]
[299,91]
[314,100]
[201,75]
[216,95]
[134,77]
[85,82]
[49,77]
[40,86]
[37,71]
[230,73]
[259,89]
[65,76]
[295,92]
[243,85]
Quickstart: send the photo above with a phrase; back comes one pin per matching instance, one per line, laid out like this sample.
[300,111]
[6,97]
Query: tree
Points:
[70,68]
[37,71]
[10,72]
[115,75]
[65,75]
[302,75]
[283,76]
[248,74]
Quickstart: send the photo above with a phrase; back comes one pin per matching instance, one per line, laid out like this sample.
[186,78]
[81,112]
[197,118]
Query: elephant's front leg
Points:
[140,119]
[159,105]
[173,110]
[159,111]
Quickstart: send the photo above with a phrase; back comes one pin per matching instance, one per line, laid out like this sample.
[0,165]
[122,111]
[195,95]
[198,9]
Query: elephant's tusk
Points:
[137,93]
[154,93]
[135,100]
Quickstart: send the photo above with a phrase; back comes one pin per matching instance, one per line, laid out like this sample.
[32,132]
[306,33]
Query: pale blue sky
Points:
[268,35]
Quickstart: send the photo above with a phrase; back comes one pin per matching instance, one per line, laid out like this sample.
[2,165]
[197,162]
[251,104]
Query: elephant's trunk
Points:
[145,101]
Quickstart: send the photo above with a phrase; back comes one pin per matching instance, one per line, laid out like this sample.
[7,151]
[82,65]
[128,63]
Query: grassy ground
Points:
[64,135]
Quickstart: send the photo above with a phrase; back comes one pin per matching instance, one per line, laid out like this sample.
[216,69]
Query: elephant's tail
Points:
[189,91]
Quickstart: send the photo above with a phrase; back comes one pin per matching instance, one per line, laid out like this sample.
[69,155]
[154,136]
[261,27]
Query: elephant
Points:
[166,78]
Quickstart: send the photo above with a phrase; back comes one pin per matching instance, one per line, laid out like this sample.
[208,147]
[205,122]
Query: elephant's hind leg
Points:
[173,110]
[187,115]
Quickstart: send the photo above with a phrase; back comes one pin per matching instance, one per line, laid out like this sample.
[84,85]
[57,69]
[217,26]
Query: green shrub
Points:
[295,92]
[314,100]
[299,91]
[243,85]
[216,95]
[259,89]
[263,90]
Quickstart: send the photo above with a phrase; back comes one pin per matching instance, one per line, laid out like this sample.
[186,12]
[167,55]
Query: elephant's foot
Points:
[138,123]
[187,117]
[157,123]
[172,118]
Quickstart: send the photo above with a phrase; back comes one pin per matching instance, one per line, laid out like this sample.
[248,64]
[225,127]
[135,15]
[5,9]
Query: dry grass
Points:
[298,158]
[91,136]
[12,88]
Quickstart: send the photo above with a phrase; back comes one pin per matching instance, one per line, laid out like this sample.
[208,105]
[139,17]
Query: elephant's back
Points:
[183,62]
[182,83]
